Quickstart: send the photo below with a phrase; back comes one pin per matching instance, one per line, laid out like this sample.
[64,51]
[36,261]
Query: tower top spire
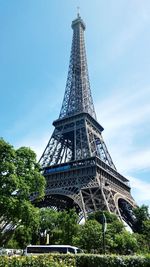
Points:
[78,21]
[77,98]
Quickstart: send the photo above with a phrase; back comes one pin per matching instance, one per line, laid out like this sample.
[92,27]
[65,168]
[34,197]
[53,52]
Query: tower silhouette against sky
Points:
[76,163]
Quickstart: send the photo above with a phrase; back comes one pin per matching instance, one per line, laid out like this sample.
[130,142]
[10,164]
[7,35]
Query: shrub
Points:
[112,261]
[38,261]
[84,260]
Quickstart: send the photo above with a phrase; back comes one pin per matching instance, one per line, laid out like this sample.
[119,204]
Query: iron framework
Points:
[76,163]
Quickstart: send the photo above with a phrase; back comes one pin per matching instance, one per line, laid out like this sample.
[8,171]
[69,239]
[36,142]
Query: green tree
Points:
[98,216]
[143,238]
[90,237]
[142,228]
[48,225]
[146,229]
[22,237]
[117,239]
[20,178]
[68,226]
[61,226]
[114,226]
[142,215]
[125,243]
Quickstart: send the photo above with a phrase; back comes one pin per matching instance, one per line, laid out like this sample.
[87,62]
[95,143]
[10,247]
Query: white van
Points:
[44,249]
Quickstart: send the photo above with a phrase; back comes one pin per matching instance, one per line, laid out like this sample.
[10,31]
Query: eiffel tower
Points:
[76,163]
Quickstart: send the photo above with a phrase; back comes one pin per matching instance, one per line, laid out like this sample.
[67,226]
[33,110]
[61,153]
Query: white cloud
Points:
[125,106]
[125,116]
[135,161]
[141,188]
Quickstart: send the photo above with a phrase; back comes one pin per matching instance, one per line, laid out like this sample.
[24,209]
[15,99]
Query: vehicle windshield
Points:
[46,249]
[79,250]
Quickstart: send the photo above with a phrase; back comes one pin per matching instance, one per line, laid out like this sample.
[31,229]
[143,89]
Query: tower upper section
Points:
[77,96]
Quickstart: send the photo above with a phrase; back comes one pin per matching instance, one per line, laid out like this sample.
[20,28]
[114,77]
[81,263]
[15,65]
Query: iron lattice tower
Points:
[76,163]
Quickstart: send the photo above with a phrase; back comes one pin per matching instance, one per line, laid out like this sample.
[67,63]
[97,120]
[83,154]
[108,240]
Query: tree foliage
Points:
[125,243]
[98,216]
[19,179]
[68,223]
[63,228]
[142,215]
[90,236]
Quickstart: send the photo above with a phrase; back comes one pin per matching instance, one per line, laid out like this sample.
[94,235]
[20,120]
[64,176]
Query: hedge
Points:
[38,261]
[112,261]
[83,260]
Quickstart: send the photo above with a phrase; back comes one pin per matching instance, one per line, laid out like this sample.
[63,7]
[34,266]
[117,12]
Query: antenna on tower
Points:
[78,11]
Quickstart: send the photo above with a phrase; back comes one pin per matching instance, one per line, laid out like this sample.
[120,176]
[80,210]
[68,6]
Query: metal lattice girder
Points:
[76,138]
[76,163]
[88,185]
[77,96]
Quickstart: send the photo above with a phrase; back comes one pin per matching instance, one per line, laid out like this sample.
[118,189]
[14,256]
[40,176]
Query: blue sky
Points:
[34,57]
